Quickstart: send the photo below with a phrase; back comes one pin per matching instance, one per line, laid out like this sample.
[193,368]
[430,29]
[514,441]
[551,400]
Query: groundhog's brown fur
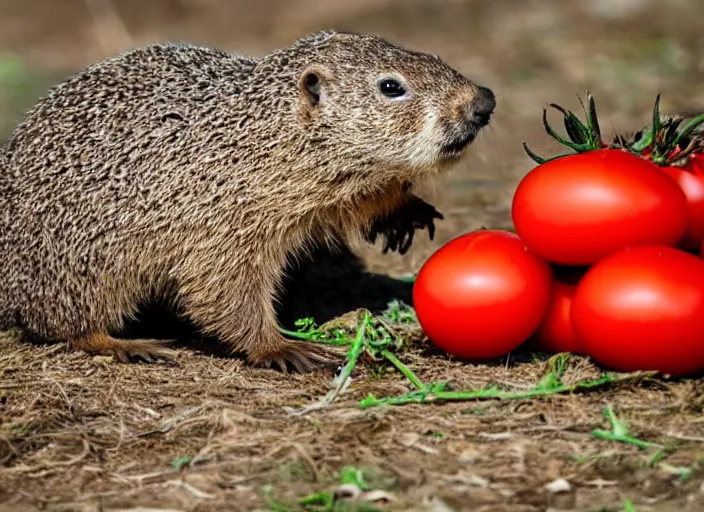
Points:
[190,174]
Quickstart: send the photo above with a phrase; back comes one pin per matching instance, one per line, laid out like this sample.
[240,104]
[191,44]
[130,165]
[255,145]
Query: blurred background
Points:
[530,52]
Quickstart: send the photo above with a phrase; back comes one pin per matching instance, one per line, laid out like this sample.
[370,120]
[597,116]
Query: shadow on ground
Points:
[323,285]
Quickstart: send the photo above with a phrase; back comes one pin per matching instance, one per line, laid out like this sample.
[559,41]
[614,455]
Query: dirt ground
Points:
[211,434]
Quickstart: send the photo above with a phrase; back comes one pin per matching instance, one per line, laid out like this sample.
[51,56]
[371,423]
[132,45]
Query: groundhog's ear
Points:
[312,83]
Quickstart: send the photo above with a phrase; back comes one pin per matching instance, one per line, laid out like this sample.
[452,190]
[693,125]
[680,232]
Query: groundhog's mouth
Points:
[456,146]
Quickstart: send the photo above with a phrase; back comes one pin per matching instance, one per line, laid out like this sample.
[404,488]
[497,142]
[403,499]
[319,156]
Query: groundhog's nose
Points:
[480,109]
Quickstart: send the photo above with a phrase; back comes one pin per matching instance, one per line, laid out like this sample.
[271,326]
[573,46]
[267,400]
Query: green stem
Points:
[317,337]
[539,159]
[573,126]
[296,334]
[655,155]
[577,148]
[610,436]
[656,115]
[426,395]
[324,499]
[593,121]
[405,370]
[688,128]
[356,349]
[313,337]
[645,141]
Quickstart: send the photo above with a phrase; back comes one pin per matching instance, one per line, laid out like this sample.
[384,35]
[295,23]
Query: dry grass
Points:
[209,433]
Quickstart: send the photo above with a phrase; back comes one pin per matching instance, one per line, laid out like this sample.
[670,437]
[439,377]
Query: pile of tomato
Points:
[607,258]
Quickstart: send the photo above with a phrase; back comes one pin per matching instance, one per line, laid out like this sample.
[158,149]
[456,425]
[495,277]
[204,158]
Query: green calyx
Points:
[667,142]
[582,137]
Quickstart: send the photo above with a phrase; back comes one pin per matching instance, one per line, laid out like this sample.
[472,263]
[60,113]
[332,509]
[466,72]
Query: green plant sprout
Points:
[398,313]
[377,340]
[683,472]
[326,501]
[628,506]
[307,329]
[620,433]
[550,384]
[435,392]
[179,462]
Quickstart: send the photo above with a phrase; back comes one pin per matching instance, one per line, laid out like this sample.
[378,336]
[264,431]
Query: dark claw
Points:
[388,244]
[281,364]
[300,357]
[400,226]
[405,246]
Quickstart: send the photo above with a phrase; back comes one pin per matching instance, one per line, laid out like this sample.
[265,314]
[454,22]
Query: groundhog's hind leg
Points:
[236,306]
[123,350]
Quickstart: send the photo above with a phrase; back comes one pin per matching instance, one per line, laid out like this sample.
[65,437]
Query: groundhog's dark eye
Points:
[392,88]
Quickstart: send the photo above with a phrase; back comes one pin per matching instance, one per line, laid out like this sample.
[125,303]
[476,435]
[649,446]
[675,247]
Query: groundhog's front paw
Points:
[399,227]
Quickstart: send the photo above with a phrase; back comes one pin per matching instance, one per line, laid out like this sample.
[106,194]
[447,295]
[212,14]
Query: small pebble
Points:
[559,485]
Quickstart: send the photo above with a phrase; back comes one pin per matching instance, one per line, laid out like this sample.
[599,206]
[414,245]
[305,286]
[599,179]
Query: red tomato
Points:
[482,294]
[690,178]
[580,208]
[643,309]
[556,333]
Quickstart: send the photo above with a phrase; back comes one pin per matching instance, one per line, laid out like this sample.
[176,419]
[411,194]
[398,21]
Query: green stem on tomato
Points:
[573,146]
[592,120]
[573,126]
[688,128]
[656,116]
[583,138]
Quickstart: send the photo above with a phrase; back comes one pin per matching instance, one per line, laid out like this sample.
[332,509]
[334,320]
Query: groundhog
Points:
[192,175]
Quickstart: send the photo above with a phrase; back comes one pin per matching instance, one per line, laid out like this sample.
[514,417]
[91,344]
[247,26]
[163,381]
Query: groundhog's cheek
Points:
[423,148]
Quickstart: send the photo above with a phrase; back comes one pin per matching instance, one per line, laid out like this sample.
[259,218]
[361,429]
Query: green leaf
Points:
[688,127]
[179,462]
[628,506]
[575,147]
[575,129]
[352,475]
[657,123]
[579,132]
[537,159]
[645,141]
[592,120]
